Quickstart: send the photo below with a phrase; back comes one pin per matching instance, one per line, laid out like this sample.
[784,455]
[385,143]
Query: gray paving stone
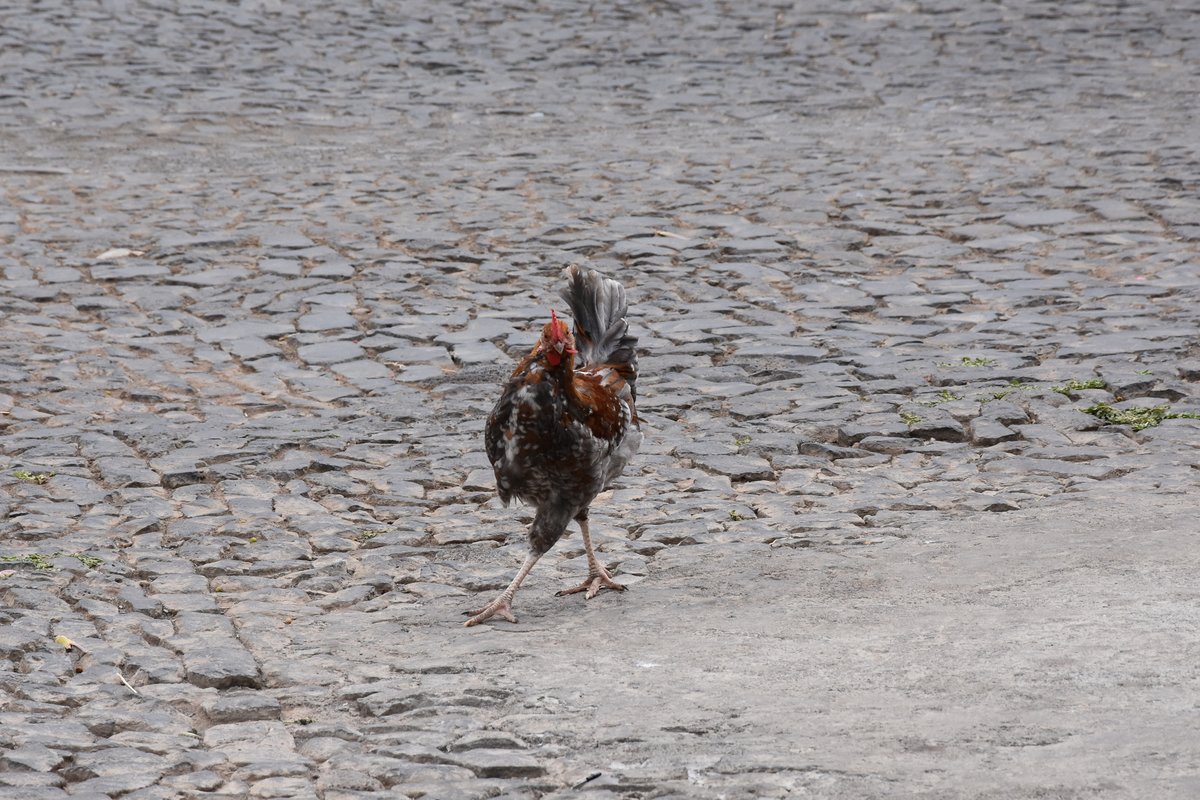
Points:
[232,707]
[14,643]
[1041,218]
[221,666]
[281,266]
[738,468]
[35,757]
[330,352]
[137,768]
[500,763]
[488,740]
[245,743]
[347,779]
[1111,344]
[34,786]
[987,432]
[199,781]
[284,238]
[325,320]
[936,423]
[156,664]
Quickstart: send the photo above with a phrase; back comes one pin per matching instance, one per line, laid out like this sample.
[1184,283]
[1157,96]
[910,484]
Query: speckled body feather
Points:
[560,434]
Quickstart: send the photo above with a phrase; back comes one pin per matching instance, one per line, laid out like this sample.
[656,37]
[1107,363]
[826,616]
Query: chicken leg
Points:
[502,605]
[598,577]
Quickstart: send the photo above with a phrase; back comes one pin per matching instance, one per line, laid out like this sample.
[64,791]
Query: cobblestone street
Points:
[264,266]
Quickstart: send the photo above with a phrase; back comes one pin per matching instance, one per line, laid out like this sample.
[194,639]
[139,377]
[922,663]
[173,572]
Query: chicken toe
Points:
[595,581]
[500,607]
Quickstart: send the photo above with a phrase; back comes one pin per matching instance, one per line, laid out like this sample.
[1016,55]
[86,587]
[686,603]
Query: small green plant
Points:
[736,516]
[1145,372]
[1013,385]
[909,418]
[38,560]
[1138,417]
[32,477]
[43,561]
[368,535]
[1077,386]
[944,396]
[741,441]
[969,361]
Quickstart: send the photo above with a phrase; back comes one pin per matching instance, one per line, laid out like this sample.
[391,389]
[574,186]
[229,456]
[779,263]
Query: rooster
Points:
[562,431]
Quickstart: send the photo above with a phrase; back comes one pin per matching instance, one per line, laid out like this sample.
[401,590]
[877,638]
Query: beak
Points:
[558,346]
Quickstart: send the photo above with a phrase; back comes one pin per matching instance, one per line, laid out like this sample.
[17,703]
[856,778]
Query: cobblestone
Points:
[264,264]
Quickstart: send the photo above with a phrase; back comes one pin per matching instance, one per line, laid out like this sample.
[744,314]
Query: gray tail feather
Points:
[601,333]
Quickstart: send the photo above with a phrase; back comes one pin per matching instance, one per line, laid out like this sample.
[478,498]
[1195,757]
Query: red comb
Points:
[559,332]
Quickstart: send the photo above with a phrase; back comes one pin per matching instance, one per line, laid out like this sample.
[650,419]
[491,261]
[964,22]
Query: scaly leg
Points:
[598,577]
[502,605]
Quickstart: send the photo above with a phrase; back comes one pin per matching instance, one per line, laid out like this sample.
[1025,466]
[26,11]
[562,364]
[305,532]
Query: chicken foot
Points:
[502,605]
[598,577]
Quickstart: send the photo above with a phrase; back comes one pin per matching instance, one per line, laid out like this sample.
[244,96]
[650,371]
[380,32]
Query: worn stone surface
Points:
[263,266]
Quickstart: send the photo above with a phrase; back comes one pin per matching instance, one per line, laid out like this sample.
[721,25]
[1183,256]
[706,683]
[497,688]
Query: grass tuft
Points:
[32,477]
[944,396]
[969,361]
[42,560]
[1073,385]
[1138,417]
